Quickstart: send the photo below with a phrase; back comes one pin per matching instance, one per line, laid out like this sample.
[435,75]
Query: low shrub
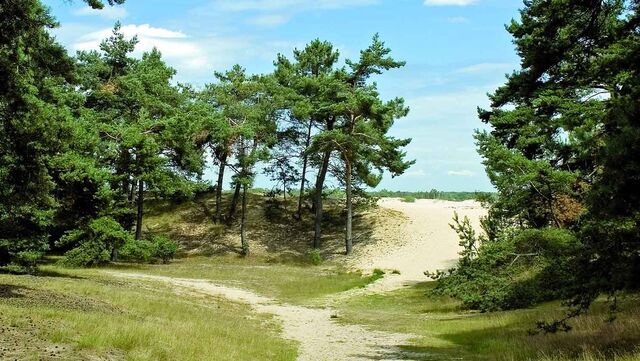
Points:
[377,274]
[136,251]
[315,257]
[163,248]
[518,269]
[22,255]
[155,248]
[408,199]
[98,242]
[89,253]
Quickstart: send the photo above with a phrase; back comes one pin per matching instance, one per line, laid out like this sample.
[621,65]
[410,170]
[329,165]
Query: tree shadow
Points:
[407,352]
[56,274]
[12,291]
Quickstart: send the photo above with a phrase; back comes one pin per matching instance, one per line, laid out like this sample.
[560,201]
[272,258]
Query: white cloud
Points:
[486,68]
[456,107]
[109,12]
[449,2]
[142,31]
[180,51]
[195,58]
[461,173]
[174,45]
[268,20]
[457,20]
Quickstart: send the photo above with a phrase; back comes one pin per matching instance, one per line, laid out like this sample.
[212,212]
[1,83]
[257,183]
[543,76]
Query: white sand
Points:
[423,241]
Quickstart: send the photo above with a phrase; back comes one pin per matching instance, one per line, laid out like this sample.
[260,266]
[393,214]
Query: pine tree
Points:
[35,100]
[362,123]
[561,151]
[310,79]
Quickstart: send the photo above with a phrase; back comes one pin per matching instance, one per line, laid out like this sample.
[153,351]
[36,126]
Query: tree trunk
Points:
[284,193]
[132,193]
[305,160]
[243,221]
[318,199]
[127,189]
[234,203]
[223,164]
[349,236]
[140,209]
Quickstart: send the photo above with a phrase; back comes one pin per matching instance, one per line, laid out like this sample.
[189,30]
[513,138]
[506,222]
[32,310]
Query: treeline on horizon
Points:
[339,193]
[434,194]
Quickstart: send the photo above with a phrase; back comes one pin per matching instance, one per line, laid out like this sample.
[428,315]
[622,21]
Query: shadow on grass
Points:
[513,342]
[12,291]
[406,352]
[56,274]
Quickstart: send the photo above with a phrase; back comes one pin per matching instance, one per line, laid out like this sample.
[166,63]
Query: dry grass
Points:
[272,229]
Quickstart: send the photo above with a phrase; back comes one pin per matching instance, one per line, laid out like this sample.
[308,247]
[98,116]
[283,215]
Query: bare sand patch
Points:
[422,241]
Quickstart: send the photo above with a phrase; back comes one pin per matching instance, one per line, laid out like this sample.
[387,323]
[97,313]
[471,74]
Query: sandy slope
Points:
[422,241]
[320,338]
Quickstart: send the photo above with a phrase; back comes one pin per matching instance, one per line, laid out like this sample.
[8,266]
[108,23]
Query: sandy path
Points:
[423,241]
[320,337]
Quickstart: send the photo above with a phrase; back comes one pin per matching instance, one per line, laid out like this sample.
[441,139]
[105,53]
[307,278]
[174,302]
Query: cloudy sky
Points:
[456,51]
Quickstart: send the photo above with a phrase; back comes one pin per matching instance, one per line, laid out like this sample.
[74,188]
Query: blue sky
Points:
[456,51]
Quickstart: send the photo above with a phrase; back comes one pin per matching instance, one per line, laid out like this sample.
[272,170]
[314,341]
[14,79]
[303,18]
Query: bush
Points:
[377,274]
[89,253]
[149,250]
[21,256]
[97,242]
[517,269]
[136,251]
[408,199]
[163,248]
[315,257]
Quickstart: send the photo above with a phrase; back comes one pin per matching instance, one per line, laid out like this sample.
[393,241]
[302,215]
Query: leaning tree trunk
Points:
[140,202]
[317,236]
[243,223]
[223,164]
[305,161]
[349,236]
[234,203]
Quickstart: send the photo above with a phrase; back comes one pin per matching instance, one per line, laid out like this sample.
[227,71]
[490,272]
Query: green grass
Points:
[92,314]
[445,332]
[288,282]
[408,199]
[82,315]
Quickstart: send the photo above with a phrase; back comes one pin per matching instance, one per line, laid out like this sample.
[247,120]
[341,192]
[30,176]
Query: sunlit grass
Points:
[140,321]
[445,331]
[287,282]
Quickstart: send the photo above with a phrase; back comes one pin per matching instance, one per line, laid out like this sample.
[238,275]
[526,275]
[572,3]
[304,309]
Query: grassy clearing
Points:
[287,282]
[81,315]
[445,332]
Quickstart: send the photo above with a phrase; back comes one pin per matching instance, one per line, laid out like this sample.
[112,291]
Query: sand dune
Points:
[422,241]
